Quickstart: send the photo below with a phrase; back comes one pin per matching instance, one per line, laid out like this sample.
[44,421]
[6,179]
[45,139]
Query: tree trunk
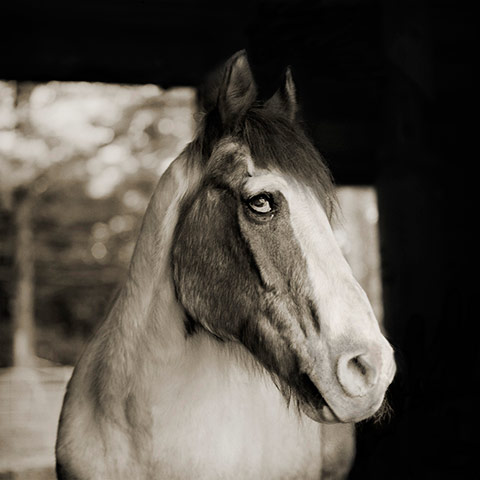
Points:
[23,299]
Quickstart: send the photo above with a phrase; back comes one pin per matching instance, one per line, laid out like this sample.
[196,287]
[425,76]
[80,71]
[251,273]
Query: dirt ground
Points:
[30,403]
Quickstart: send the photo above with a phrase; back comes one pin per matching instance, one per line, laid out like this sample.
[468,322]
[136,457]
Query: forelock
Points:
[274,143]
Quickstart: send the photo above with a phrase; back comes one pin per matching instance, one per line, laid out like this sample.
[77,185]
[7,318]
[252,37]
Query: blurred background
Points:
[79,162]
[96,97]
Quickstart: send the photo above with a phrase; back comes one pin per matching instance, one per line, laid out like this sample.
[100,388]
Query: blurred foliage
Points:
[90,155]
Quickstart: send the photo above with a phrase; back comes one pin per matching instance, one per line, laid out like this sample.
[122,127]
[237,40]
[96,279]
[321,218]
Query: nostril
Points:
[357,374]
[356,364]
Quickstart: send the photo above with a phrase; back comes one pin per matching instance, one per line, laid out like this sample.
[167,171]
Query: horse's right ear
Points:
[237,91]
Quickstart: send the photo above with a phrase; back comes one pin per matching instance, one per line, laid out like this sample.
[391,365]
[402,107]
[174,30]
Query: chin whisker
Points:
[384,413]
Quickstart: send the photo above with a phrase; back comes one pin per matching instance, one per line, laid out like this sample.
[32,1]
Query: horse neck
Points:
[144,328]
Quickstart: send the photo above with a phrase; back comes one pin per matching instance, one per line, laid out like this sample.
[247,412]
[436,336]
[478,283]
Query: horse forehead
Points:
[232,160]
[230,146]
[230,156]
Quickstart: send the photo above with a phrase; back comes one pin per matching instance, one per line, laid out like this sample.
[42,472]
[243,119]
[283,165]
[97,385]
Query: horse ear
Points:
[284,100]
[238,90]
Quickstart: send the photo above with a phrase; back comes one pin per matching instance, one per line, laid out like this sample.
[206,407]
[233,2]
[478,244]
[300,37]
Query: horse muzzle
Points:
[353,386]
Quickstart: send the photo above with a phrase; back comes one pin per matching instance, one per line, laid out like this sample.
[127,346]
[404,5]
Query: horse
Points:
[240,345]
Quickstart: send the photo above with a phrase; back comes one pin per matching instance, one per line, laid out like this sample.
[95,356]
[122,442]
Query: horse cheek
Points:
[213,277]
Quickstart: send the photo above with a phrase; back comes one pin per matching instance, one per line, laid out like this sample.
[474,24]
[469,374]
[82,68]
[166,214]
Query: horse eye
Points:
[260,204]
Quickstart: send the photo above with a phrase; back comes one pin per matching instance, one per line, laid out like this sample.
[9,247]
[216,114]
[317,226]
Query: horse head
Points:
[255,261]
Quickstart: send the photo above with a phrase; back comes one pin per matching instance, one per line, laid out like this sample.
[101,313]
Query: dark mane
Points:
[275,143]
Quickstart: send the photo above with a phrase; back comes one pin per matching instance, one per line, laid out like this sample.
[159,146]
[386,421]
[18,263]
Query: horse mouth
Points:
[315,406]
[312,403]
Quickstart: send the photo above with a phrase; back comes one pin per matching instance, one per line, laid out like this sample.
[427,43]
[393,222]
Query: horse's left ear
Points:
[238,90]
[284,100]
